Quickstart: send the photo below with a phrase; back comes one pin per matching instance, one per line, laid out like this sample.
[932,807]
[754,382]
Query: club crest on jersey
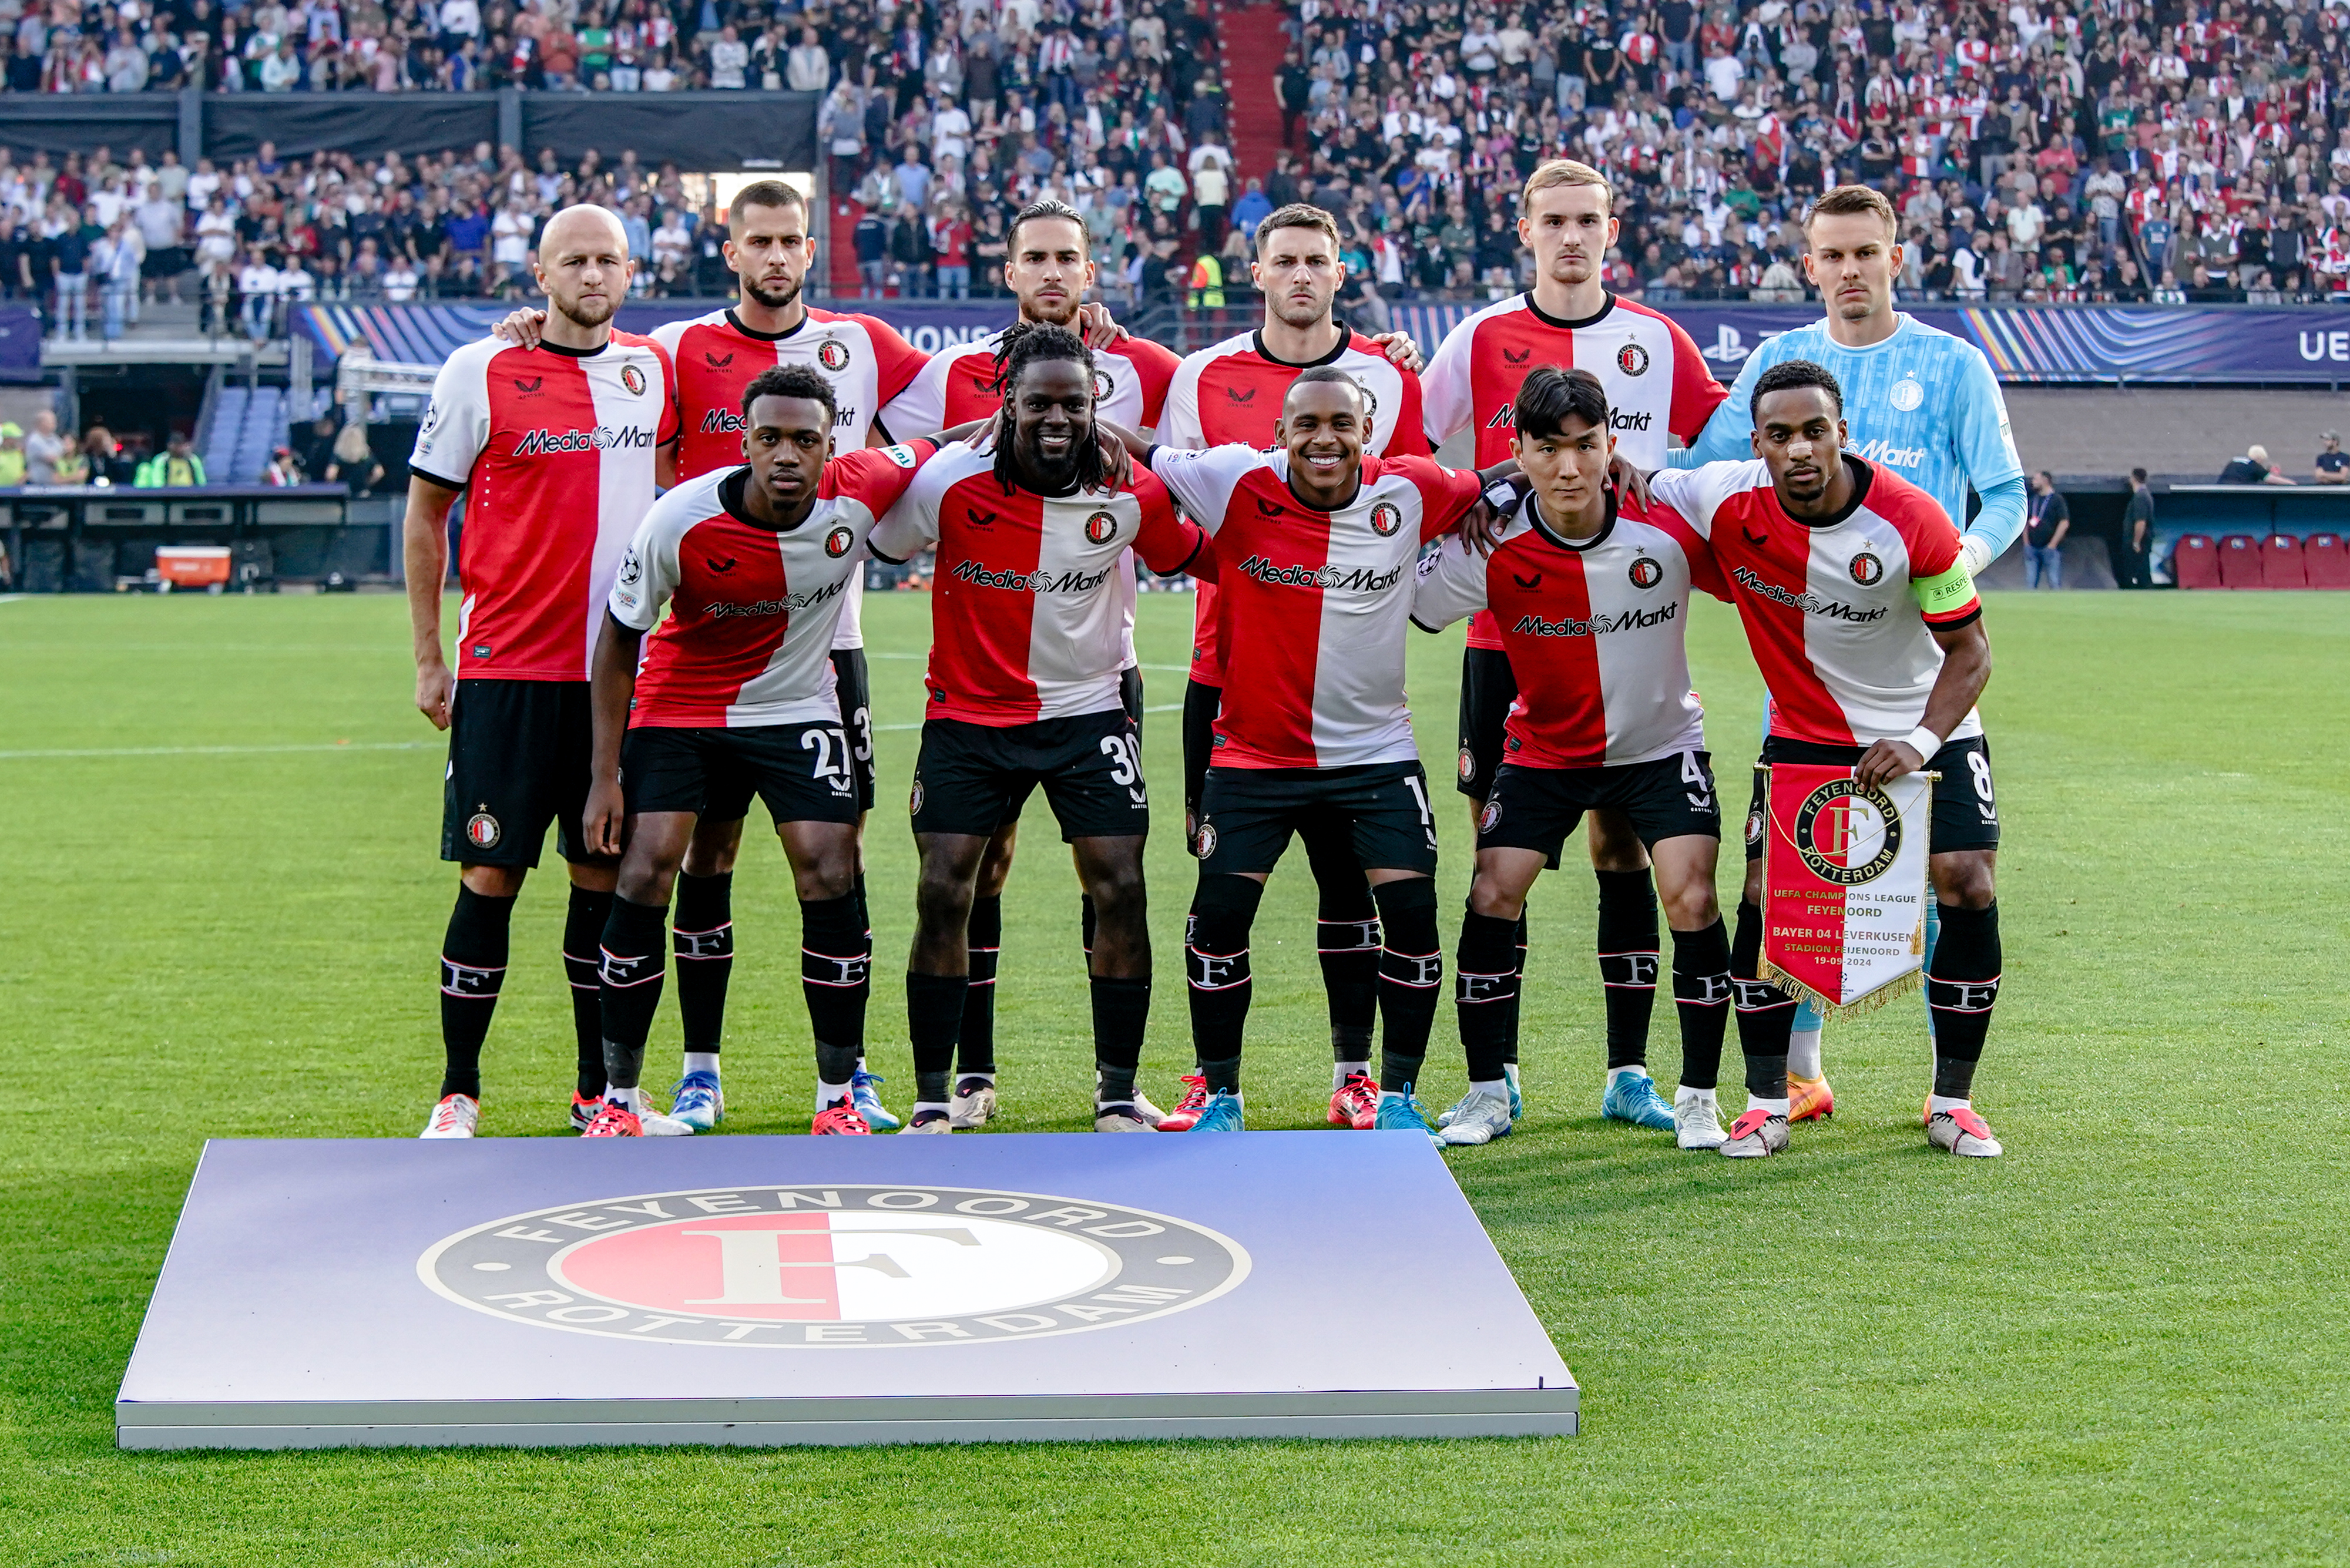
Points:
[634,379]
[482,831]
[532,387]
[1386,518]
[1847,835]
[1632,360]
[839,542]
[1101,527]
[833,355]
[1487,818]
[1468,766]
[1906,394]
[1645,572]
[1103,386]
[1867,570]
[833,1266]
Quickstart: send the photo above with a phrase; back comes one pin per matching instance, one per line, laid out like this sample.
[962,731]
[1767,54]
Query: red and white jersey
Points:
[863,357]
[1841,614]
[749,635]
[1657,381]
[1595,630]
[1313,604]
[1026,622]
[959,384]
[1232,391]
[554,448]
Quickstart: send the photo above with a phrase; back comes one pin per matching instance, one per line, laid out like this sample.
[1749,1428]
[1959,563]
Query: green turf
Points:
[2125,1343]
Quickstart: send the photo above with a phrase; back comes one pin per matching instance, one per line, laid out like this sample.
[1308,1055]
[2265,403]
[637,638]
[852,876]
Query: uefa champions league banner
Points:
[418,333]
[2306,344]
[1844,888]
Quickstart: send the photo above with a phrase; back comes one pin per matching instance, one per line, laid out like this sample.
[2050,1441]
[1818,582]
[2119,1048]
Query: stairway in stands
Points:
[248,424]
[840,250]
[1253,44]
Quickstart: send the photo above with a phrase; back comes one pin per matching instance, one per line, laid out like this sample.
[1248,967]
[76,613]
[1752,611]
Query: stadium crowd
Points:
[2112,150]
[2116,151]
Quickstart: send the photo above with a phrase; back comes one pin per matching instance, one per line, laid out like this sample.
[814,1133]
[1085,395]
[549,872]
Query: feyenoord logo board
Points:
[790,1290]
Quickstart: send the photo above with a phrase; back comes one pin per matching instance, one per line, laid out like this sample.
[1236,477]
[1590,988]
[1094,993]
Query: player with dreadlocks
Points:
[1027,646]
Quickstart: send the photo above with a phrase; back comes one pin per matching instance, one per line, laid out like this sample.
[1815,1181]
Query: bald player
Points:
[561,447]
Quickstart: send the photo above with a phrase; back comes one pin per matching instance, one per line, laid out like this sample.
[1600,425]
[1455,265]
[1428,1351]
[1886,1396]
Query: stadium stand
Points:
[2050,152]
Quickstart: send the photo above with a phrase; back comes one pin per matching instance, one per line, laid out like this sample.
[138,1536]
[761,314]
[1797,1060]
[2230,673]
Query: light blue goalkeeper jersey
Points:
[1923,403]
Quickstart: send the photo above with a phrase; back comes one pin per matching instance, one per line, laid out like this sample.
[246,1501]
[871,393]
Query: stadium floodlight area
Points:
[777,1290]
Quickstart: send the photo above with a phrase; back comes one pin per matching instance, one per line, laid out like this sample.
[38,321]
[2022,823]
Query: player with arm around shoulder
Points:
[1314,548]
[1858,607]
[736,697]
[1233,391]
[1026,653]
[1919,402]
[1588,590]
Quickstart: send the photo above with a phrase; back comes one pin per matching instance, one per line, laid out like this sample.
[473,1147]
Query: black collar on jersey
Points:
[736,323]
[730,497]
[1541,526]
[1256,341]
[1607,303]
[1861,475]
[575,353]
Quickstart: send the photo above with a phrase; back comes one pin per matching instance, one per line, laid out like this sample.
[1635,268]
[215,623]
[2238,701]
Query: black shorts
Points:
[1247,814]
[1487,687]
[805,773]
[519,759]
[1200,706]
[1536,808]
[853,686]
[1966,803]
[973,778]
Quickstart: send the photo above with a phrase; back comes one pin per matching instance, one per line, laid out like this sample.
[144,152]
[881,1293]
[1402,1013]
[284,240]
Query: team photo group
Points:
[661,559]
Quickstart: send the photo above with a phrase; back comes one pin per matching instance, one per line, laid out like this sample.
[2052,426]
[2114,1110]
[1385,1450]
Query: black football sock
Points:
[632,987]
[1510,1051]
[1485,992]
[1701,997]
[933,1019]
[1627,963]
[1411,971]
[1961,988]
[583,934]
[473,968]
[1765,1013]
[1346,938]
[1121,1013]
[833,977]
[976,1054]
[1216,974]
[864,924]
[702,935]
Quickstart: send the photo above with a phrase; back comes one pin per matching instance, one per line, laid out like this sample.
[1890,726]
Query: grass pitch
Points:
[2123,1343]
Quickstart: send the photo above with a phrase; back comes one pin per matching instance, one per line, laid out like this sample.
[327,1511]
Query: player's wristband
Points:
[1923,742]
